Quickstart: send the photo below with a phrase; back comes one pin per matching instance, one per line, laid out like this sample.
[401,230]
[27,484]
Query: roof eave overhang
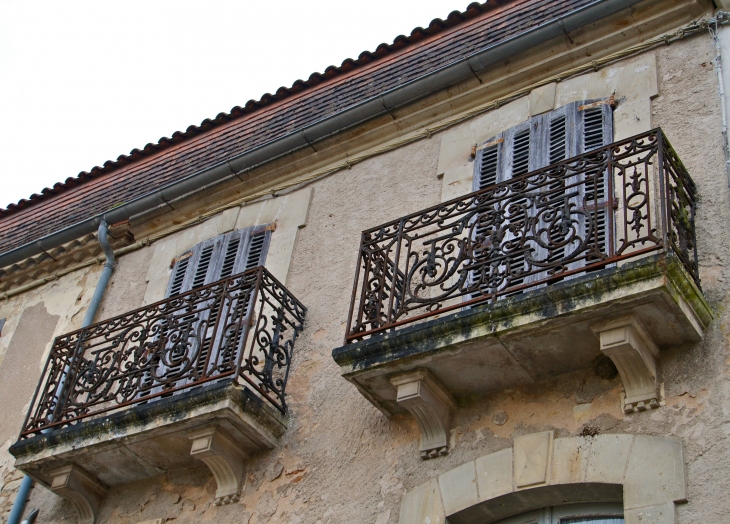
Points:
[434,81]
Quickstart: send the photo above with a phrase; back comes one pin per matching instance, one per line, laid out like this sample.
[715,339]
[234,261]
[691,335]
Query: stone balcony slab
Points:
[531,336]
[151,439]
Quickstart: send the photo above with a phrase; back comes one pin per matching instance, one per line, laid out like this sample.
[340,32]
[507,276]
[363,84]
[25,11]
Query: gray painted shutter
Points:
[541,141]
[488,171]
[558,148]
[244,250]
[219,257]
[596,130]
[211,260]
[524,149]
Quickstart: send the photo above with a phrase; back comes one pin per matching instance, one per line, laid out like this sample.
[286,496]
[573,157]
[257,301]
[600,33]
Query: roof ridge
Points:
[437,25]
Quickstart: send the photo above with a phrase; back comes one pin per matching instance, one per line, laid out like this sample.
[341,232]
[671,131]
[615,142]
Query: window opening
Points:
[591,513]
[188,333]
[515,237]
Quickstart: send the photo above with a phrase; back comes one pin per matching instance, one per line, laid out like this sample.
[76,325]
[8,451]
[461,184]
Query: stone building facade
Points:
[537,327]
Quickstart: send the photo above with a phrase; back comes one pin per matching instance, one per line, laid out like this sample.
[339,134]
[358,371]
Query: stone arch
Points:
[646,473]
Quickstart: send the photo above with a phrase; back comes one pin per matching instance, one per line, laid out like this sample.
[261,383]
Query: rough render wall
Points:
[342,461]
[34,319]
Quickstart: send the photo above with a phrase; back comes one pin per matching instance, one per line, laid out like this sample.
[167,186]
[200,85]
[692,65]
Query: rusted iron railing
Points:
[620,201]
[242,327]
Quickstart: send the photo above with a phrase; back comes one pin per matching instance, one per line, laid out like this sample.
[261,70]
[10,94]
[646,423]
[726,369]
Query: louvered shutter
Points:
[558,139]
[524,147]
[218,258]
[488,171]
[541,141]
[253,245]
[207,262]
[595,121]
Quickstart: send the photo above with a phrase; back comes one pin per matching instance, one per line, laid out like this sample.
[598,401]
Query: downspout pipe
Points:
[721,17]
[21,498]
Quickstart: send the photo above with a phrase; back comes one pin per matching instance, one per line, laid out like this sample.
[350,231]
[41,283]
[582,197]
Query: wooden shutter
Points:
[595,122]
[211,260]
[558,126]
[488,170]
[242,250]
[218,258]
[541,141]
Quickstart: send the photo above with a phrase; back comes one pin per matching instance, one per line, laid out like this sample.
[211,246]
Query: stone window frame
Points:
[645,473]
[286,214]
[558,514]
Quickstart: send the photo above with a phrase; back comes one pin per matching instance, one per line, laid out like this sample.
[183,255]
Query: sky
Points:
[82,82]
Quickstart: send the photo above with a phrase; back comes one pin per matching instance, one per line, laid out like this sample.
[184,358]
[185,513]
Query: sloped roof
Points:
[273,116]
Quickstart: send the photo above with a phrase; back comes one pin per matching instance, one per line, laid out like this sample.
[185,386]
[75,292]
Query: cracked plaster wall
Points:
[341,460]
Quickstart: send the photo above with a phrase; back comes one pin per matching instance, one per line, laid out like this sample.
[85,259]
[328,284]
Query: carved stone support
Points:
[635,355]
[431,405]
[225,460]
[84,491]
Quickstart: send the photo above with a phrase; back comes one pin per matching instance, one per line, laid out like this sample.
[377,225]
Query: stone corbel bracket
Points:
[84,491]
[224,458]
[431,405]
[635,355]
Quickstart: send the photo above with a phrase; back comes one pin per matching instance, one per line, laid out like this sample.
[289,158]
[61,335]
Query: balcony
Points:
[528,279]
[199,376]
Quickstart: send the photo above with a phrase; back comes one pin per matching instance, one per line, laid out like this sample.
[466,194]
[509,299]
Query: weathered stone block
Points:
[456,146]
[532,455]
[459,488]
[422,505]
[607,462]
[638,80]
[655,472]
[542,99]
[632,118]
[662,514]
[570,460]
[457,182]
[494,474]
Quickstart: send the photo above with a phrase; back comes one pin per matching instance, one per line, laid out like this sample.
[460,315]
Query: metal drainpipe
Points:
[25,486]
[721,17]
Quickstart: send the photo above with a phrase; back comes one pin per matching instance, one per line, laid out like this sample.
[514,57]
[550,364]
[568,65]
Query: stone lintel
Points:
[635,355]
[225,460]
[431,405]
[81,489]
[646,474]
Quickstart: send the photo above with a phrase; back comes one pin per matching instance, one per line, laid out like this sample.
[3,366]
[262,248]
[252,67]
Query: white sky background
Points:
[82,82]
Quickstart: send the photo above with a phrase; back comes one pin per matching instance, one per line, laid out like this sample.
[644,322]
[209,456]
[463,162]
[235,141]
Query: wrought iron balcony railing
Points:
[620,201]
[242,327]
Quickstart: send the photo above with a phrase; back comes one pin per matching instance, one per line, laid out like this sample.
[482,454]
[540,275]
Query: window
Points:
[219,257]
[545,139]
[572,514]
[212,260]
[511,247]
